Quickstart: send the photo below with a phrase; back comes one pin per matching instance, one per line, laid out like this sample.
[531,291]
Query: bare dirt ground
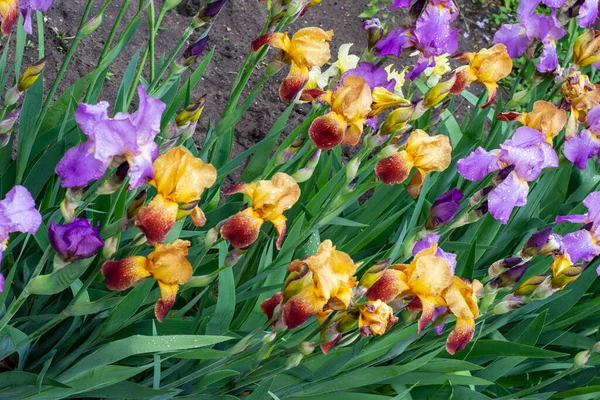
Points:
[239,22]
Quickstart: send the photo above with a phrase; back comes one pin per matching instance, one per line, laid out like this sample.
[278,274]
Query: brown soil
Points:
[239,22]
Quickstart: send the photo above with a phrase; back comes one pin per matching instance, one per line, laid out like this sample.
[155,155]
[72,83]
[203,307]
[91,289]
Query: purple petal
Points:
[393,44]
[421,65]
[147,118]
[548,59]
[1,277]
[573,218]
[526,136]
[593,118]
[514,37]
[510,193]
[374,76]
[425,243]
[449,257]
[115,137]
[444,208]
[18,213]
[592,202]
[580,246]
[439,311]
[528,161]
[554,3]
[140,166]
[588,13]
[79,167]
[400,4]
[88,116]
[433,34]
[526,8]
[478,164]
[550,157]
[580,148]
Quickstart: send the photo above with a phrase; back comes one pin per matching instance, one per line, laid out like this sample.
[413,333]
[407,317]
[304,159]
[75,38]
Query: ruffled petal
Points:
[392,45]
[140,166]
[514,37]
[147,117]
[242,229]
[588,13]
[328,130]
[478,164]
[581,245]
[510,193]
[294,82]
[157,218]
[580,148]
[168,294]
[394,169]
[123,274]
[18,213]
[79,167]
[9,11]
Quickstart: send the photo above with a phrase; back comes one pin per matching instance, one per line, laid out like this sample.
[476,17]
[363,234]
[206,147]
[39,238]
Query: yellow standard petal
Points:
[168,263]
[310,47]
[429,153]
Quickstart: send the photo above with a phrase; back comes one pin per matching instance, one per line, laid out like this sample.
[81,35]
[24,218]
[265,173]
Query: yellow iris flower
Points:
[167,264]
[270,198]
[179,178]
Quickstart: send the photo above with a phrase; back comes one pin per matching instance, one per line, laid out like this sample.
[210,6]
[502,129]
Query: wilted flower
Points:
[126,136]
[545,117]
[580,95]
[316,284]
[426,153]
[270,198]
[444,208]
[76,240]
[307,48]
[179,178]
[520,159]
[167,264]
[350,105]
[583,244]
[586,49]
[376,318]
[17,214]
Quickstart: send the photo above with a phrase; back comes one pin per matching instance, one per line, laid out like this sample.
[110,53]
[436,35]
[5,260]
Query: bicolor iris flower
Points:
[375,318]
[520,159]
[167,264]
[9,12]
[583,244]
[17,214]
[306,49]
[180,179]
[544,117]
[580,95]
[270,198]
[124,138]
[350,107]
[421,151]
[76,240]
[316,285]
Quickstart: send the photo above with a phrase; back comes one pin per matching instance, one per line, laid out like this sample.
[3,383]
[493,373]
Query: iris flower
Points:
[580,95]
[545,117]
[9,12]
[180,179]
[17,214]
[583,244]
[345,62]
[424,152]
[126,137]
[521,159]
[167,264]
[306,49]
[316,285]
[376,318]
[27,8]
[270,198]
[350,106]
[76,240]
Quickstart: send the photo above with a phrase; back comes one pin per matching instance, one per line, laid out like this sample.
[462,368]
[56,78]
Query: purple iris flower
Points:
[586,144]
[397,40]
[27,8]
[127,136]
[433,35]
[444,208]
[374,76]
[427,241]
[17,214]
[76,240]
[521,158]
[518,37]
[400,4]
[582,244]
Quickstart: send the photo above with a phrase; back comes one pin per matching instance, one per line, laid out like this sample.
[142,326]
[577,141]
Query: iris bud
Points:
[31,75]
[374,31]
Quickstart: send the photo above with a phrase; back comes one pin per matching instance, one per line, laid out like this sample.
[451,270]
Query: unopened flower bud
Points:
[9,122]
[92,25]
[194,50]
[233,257]
[11,96]
[444,208]
[507,304]
[67,210]
[295,7]
[352,168]
[31,75]
[211,237]
[586,49]
[191,113]
[388,151]
[531,284]
[581,359]
[439,92]
[4,139]
[289,152]
[211,10]
[110,247]
[304,174]
[596,348]
[306,348]
[397,119]
[510,278]
[293,361]
[501,266]
[269,337]
[374,31]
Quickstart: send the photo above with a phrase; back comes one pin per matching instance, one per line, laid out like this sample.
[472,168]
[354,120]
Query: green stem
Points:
[153,31]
